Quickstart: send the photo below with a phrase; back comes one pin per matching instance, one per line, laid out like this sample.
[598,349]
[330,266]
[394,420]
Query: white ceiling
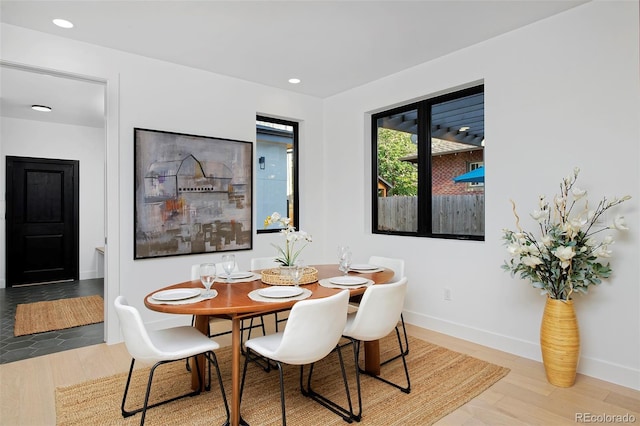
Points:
[332,46]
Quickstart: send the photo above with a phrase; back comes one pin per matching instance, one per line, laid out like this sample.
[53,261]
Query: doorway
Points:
[42,222]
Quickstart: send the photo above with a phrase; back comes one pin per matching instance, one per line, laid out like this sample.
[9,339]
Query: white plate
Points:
[348,280]
[238,275]
[363,267]
[280,292]
[176,294]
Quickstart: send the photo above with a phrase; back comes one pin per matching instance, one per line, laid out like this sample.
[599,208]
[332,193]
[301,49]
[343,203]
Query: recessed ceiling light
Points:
[464,128]
[62,23]
[294,80]
[41,108]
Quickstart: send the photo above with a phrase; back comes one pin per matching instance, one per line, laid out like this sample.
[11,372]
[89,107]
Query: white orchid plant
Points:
[288,254]
[566,257]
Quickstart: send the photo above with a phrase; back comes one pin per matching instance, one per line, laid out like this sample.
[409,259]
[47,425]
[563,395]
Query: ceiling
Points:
[332,46]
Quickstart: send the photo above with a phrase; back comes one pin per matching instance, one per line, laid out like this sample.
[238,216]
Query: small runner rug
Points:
[441,382]
[39,317]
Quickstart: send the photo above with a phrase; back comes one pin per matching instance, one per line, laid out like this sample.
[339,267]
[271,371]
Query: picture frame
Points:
[192,194]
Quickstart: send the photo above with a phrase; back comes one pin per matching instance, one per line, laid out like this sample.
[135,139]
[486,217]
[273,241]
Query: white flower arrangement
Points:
[566,256]
[288,254]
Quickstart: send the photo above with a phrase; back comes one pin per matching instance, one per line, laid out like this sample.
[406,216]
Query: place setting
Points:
[345,266]
[182,296]
[230,275]
[278,293]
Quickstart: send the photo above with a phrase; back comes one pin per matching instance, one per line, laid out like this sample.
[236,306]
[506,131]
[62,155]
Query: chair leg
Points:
[214,360]
[281,374]
[347,415]
[404,351]
[146,405]
[406,389]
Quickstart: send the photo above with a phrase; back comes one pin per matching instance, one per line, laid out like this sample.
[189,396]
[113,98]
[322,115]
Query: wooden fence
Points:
[452,214]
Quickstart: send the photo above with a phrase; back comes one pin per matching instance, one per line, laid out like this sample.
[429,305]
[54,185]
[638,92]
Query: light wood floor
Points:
[523,397]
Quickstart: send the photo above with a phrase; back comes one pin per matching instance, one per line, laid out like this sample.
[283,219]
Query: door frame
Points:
[111,83]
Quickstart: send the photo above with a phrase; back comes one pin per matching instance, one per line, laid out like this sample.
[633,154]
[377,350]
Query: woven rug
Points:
[39,317]
[441,382]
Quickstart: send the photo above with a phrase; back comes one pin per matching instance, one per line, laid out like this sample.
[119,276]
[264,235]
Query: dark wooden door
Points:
[42,220]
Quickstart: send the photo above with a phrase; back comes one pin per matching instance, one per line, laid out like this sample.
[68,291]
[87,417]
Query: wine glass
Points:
[207,276]
[228,265]
[341,252]
[345,262]
[296,273]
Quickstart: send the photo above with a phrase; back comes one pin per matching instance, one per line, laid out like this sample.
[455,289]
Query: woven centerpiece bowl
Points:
[279,276]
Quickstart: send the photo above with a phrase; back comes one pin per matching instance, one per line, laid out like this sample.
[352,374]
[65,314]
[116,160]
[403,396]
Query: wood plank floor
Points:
[523,397]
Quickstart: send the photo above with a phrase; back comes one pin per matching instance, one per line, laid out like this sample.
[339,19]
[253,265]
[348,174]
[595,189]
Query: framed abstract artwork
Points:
[193,194]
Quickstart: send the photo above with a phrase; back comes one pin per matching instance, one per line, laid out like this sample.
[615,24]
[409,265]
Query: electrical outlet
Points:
[447,293]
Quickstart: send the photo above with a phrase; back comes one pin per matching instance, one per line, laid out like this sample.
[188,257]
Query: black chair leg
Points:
[406,389]
[146,406]
[346,414]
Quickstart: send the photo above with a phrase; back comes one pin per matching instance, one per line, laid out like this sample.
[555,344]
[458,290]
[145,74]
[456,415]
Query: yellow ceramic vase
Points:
[560,342]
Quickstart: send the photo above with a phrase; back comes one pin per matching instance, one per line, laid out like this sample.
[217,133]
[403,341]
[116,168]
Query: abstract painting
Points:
[192,194]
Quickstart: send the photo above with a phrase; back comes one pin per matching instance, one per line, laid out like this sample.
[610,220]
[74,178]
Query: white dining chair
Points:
[312,332]
[259,263]
[377,316]
[161,347]
[397,266]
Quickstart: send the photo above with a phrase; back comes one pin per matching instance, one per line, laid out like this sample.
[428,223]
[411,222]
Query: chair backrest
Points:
[258,263]
[136,337]
[379,311]
[397,265]
[313,329]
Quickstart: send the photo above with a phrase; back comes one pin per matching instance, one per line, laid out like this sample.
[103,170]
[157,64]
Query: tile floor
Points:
[23,347]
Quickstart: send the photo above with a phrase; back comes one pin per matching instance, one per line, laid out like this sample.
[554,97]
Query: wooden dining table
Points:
[233,302]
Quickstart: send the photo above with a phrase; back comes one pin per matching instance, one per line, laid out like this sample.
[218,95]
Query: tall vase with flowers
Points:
[565,257]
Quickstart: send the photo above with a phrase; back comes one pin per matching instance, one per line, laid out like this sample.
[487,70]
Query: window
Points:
[276,170]
[428,167]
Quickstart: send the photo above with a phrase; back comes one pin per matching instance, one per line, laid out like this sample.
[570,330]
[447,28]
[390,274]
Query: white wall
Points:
[560,93]
[147,93]
[27,138]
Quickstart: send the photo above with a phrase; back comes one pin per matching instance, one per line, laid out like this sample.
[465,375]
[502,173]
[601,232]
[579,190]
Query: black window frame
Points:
[423,107]
[295,177]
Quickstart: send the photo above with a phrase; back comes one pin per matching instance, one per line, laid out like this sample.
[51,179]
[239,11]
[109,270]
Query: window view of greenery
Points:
[429,167]
[393,146]
[276,170]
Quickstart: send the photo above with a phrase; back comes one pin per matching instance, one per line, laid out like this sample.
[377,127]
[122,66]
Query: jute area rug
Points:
[441,381]
[39,317]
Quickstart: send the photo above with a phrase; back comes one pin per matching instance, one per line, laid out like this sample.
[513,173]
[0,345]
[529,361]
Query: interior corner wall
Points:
[28,138]
[559,93]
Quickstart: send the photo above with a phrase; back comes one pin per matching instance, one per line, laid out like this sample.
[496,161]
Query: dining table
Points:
[235,300]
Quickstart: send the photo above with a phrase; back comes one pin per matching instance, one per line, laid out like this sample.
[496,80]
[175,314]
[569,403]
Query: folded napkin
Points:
[196,299]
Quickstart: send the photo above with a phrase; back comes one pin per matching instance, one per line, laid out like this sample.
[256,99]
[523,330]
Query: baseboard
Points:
[597,368]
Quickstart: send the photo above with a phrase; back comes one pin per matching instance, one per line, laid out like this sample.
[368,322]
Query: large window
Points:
[276,170]
[428,167]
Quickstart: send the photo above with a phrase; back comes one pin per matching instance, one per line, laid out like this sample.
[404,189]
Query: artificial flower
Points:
[565,256]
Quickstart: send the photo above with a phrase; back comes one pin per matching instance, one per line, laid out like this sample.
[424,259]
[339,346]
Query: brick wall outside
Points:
[446,167]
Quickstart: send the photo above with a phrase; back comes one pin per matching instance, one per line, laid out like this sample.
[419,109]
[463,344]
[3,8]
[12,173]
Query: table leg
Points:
[202,324]
[236,342]
[372,357]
